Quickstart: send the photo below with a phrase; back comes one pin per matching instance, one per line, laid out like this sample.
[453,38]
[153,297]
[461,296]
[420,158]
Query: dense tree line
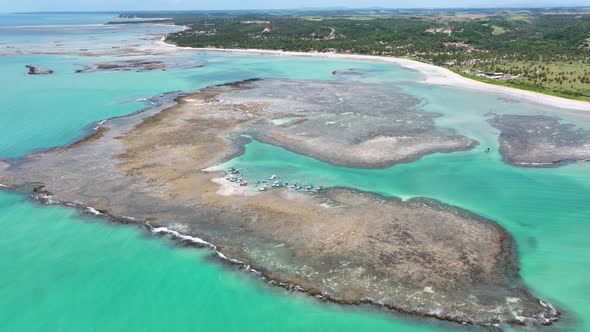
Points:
[488,43]
[552,37]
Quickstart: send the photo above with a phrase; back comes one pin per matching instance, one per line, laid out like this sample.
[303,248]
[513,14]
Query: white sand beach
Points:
[432,75]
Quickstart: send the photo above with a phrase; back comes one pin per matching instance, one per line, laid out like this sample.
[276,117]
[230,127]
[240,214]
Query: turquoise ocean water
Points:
[64,271]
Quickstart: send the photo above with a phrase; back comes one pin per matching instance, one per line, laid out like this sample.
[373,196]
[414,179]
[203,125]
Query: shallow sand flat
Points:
[418,256]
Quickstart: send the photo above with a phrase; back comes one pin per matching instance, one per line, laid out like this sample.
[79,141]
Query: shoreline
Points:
[283,221]
[433,74]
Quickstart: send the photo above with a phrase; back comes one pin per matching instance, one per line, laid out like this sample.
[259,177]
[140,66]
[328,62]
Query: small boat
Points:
[233,170]
[273,177]
[293,186]
[262,189]
[320,188]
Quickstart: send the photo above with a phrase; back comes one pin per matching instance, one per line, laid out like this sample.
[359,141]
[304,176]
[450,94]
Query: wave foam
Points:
[196,240]
[159,230]
[47,199]
[92,210]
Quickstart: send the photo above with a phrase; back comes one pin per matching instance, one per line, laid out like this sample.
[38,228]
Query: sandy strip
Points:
[432,75]
[227,188]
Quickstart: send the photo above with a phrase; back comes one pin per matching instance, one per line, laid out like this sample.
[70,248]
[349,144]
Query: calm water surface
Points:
[63,271]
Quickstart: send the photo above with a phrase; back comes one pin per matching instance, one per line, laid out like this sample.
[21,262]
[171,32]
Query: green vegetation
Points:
[564,79]
[497,30]
[546,51]
[523,85]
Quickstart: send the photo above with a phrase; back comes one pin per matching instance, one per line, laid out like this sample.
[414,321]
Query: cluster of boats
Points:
[240,181]
[233,177]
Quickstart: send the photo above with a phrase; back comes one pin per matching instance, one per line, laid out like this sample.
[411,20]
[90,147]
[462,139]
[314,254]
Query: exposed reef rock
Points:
[419,256]
[35,70]
[352,72]
[346,123]
[140,65]
[540,141]
[137,65]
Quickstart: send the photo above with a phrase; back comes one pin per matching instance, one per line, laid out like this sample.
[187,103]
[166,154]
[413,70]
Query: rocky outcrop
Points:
[35,70]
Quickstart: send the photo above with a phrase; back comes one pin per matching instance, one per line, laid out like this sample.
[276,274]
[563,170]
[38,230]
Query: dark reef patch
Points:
[36,70]
[142,65]
[540,141]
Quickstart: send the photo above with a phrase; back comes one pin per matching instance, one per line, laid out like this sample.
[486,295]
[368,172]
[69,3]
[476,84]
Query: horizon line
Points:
[108,11]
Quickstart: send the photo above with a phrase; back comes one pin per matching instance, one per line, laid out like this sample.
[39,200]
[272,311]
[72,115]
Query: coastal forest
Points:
[541,50]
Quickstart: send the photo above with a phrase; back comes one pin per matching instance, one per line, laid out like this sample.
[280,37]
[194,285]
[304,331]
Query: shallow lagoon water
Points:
[28,19]
[34,111]
[65,272]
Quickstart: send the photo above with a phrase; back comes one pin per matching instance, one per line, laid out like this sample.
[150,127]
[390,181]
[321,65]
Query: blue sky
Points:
[97,5]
